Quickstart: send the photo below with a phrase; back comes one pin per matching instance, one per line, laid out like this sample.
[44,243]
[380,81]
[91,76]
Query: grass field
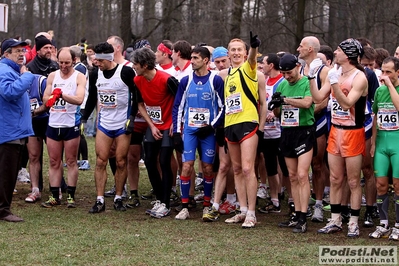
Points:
[61,236]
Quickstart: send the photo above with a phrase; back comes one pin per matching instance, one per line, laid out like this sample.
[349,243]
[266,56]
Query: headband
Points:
[109,56]
[161,47]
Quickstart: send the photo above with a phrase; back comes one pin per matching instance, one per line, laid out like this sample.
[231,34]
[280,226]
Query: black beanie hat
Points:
[41,41]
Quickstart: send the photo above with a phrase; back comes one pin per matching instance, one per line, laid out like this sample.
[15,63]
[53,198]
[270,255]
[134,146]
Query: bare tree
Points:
[125,27]
[236,18]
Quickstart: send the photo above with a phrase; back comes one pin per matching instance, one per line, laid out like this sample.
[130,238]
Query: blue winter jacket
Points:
[15,115]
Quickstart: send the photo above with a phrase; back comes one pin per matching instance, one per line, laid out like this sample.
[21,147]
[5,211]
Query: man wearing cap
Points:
[224,178]
[292,102]
[220,58]
[15,120]
[42,63]
[346,143]
[117,103]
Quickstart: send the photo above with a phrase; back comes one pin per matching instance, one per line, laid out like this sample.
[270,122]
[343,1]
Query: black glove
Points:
[254,40]
[129,125]
[276,95]
[178,142]
[276,101]
[205,131]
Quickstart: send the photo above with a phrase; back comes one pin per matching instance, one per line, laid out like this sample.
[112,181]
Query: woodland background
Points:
[280,24]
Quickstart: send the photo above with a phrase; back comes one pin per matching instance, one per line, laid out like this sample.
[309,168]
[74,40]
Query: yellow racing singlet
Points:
[238,107]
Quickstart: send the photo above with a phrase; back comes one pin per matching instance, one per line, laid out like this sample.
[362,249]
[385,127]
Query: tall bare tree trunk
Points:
[148,19]
[28,18]
[236,18]
[126,22]
[300,22]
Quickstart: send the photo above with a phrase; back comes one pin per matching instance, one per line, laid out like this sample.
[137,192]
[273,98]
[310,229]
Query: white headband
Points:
[109,56]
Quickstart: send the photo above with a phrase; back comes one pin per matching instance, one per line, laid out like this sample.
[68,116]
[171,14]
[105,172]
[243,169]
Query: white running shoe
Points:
[262,192]
[353,230]
[161,212]
[23,176]
[380,231]
[183,214]
[250,221]
[156,204]
[395,234]
[33,197]
[238,218]
[84,165]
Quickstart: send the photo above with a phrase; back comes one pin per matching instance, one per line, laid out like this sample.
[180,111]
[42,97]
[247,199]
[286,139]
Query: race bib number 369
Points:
[155,113]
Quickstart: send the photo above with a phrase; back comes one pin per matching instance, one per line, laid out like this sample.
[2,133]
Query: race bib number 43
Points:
[198,117]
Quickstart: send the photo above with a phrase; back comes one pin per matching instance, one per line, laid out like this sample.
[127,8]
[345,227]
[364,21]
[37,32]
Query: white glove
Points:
[315,64]
[334,74]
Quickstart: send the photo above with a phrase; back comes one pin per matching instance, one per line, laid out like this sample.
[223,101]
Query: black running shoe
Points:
[292,222]
[192,204]
[118,205]
[110,193]
[368,220]
[375,214]
[148,196]
[98,207]
[291,205]
[300,228]
[133,202]
[345,217]
[270,208]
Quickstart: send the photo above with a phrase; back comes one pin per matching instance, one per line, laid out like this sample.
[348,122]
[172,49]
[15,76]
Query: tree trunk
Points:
[236,19]
[300,22]
[126,25]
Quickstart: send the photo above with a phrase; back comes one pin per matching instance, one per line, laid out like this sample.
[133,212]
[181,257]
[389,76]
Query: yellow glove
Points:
[129,125]
[82,129]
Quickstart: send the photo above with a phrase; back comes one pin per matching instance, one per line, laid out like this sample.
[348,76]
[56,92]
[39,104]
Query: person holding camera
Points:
[293,103]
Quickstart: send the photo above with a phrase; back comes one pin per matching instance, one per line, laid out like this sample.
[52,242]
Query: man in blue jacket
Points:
[15,120]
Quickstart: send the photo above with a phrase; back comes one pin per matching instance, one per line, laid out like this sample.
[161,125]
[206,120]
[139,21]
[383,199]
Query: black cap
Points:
[288,62]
